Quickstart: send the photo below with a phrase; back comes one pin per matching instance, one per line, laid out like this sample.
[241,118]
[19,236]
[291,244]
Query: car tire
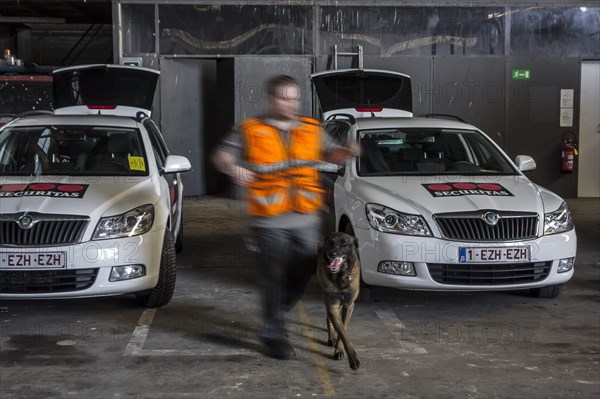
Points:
[162,293]
[551,291]
[365,289]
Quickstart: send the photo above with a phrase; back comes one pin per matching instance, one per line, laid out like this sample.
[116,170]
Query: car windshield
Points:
[71,151]
[430,151]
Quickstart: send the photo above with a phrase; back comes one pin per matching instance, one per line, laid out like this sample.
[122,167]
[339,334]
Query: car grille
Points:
[489,274]
[46,281]
[45,229]
[471,226]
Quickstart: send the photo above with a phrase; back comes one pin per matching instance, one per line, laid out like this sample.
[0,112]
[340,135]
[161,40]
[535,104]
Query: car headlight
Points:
[136,221]
[558,221]
[387,220]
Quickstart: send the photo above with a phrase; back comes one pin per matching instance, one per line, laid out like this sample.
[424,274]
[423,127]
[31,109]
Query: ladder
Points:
[358,54]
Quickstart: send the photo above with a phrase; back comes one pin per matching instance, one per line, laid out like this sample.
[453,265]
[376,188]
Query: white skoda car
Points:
[90,198]
[434,202]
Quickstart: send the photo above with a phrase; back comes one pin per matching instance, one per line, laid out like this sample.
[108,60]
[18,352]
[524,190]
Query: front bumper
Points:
[87,270]
[428,254]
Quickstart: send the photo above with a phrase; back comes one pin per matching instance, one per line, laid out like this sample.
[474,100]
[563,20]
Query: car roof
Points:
[94,120]
[377,122]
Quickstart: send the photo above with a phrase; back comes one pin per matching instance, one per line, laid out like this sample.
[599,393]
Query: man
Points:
[273,158]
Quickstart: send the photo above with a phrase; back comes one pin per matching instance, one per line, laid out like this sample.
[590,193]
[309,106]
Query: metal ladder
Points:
[358,54]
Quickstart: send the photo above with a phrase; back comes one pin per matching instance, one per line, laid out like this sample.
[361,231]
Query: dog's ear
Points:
[320,244]
[355,241]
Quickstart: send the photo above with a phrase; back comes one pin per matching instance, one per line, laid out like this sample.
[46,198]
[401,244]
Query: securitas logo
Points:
[460,189]
[43,190]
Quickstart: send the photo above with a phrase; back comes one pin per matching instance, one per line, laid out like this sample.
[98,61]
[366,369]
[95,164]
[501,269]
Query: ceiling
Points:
[30,12]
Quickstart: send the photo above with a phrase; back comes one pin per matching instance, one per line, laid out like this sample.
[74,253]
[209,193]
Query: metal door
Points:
[589,133]
[182,115]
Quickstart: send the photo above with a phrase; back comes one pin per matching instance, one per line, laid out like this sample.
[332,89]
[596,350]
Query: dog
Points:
[338,273]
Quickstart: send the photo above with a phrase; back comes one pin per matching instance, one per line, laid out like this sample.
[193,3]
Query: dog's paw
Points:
[338,355]
[354,362]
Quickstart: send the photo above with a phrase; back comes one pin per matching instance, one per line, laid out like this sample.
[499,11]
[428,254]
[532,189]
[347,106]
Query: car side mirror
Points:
[330,168]
[176,164]
[525,163]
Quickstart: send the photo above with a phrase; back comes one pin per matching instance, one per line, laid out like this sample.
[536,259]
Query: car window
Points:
[429,151]
[71,151]
[158,144]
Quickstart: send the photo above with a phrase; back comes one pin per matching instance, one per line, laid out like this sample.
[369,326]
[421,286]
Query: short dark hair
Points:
[278,81]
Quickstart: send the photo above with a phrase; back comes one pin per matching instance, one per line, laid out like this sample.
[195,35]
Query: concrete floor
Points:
[204,344]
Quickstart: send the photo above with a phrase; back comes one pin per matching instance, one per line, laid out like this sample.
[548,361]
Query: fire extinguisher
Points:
[568,152]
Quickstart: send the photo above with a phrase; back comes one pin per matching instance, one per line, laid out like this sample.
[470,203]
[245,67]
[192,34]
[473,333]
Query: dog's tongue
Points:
[335,264]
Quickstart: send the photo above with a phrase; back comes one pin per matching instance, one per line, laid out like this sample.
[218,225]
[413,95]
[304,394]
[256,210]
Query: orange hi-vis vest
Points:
[281,185]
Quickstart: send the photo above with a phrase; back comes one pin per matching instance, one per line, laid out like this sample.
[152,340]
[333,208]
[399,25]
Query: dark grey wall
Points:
[532,120]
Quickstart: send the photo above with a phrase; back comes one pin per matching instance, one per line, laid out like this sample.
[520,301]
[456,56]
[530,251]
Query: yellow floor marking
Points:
[318,359]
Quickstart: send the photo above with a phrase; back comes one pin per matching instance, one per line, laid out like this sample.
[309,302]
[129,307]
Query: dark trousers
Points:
[286,262]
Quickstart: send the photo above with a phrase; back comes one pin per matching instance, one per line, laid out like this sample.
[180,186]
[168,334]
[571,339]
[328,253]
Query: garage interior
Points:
[506,67]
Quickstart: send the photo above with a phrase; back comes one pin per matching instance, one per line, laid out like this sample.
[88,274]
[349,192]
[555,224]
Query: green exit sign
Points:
[131,61]
[521,74]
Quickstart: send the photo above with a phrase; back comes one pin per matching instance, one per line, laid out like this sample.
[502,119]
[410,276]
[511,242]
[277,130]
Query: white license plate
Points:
[55,260]
[492,255]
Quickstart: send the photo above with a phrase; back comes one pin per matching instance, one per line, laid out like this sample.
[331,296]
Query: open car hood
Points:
[363,92]
[105,89]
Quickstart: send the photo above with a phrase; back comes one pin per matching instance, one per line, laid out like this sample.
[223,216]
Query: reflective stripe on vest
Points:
[270,200]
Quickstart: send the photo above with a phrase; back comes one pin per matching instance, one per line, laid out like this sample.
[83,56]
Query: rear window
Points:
[363,89]
[71,151]
[104,86]
[376,90]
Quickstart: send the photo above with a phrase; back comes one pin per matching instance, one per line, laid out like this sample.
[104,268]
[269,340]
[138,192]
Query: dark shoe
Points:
[279,348]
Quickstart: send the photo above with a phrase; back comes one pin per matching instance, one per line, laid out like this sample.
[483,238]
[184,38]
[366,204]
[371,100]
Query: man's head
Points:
[284,97]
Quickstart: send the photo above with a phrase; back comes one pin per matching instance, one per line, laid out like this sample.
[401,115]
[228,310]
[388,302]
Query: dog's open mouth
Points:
[335,263]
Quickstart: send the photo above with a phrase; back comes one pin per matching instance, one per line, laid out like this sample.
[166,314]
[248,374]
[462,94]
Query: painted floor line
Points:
[319,363]
[135,346]
[217,352]
[140,333]
[398,331]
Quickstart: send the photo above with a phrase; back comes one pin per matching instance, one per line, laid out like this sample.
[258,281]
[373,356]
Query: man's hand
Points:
[242,176]
[340,154]
[226,163]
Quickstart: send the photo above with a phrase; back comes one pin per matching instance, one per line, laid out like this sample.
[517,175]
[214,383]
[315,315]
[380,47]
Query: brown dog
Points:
[338,273]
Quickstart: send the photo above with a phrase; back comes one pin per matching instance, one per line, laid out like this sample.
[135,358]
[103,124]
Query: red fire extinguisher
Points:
[568,152]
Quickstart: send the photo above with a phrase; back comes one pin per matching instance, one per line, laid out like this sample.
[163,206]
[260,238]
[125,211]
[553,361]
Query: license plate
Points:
[55,260]
[492,255]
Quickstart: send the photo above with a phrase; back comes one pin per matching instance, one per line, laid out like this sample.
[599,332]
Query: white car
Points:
[435,203]
[90,198]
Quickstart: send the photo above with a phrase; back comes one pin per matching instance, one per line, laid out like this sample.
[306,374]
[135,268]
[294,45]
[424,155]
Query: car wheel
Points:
[163,292]
[551,291]
[365,289]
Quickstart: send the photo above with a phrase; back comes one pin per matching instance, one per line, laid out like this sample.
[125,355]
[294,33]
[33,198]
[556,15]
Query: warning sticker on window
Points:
[440,190]
[137,163]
